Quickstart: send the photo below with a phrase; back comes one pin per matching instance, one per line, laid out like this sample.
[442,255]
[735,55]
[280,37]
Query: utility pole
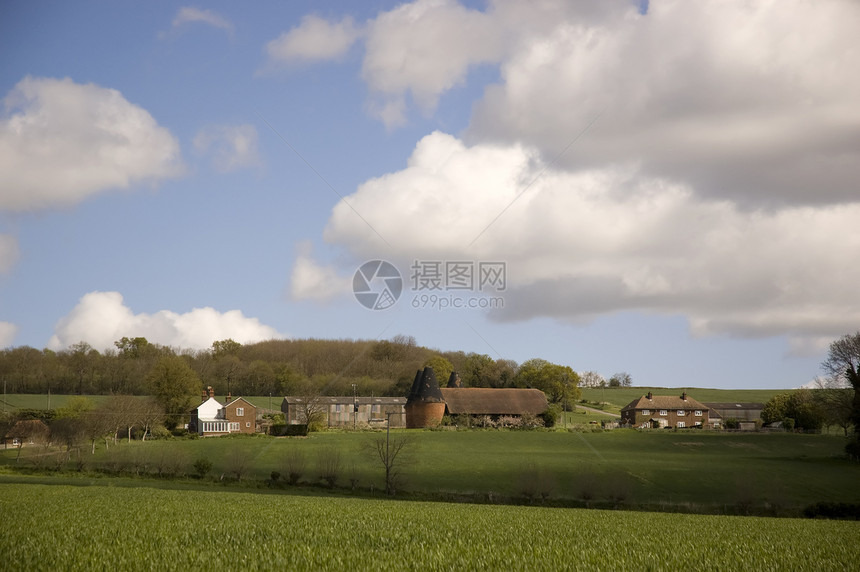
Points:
[354,408]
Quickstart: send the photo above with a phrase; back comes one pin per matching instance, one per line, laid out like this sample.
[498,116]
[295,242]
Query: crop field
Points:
[98,527]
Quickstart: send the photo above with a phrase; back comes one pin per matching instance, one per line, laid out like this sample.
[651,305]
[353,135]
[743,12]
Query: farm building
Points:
[425,405]
[212,418]
[427,402]
[27,432]
[739,411]
[493,402]
[346,411]
[665,411]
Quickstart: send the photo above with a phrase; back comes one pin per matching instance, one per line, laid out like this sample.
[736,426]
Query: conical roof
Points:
[428,388]
[415,382]
[454,380]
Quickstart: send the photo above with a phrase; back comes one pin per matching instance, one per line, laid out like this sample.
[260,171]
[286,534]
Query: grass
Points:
[100,527]
[705,471]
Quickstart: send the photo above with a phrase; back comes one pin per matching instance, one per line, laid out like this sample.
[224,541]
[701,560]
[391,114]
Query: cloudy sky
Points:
[666,188]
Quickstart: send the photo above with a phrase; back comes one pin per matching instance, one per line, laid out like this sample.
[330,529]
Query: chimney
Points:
[649,396]
[684,396]
[229,397]
[210,391]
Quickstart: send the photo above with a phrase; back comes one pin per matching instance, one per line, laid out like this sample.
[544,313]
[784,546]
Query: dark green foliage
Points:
[201,467]
[731,423]
[852,449]
[800,406]
[551,415]
[833,510]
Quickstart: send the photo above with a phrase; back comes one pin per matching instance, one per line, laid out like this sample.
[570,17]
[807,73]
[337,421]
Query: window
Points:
[646,412]
[698,413]
[240,412]
[663,413]
[681,413]
[247,423]
[681,424]
[234,426]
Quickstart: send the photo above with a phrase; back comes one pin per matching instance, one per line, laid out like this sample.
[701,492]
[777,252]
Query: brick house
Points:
[212,418]
[665,411]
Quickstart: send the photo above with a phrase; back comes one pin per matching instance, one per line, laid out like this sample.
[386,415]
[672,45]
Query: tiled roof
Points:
[348,399]
[486,401]
[664,402]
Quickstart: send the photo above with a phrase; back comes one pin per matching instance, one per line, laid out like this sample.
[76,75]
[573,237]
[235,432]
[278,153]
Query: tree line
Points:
[135,366]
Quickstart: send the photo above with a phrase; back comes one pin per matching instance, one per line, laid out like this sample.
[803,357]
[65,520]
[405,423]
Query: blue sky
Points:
[673,193]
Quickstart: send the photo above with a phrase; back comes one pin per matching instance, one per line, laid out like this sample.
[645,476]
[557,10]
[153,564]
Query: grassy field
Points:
[705,471]
[99,527]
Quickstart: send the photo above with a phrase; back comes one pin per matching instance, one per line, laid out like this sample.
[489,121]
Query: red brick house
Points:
[665,411]
[211,418]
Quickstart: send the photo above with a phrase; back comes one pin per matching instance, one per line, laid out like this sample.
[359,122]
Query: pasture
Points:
[101,527]
[688,470]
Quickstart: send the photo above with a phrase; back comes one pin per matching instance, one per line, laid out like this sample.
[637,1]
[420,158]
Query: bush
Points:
[201,467]
[852,449]
[788,424]
[840,510]
[294,465]
[296,430]
[329,465]
[278,429]
[551,415]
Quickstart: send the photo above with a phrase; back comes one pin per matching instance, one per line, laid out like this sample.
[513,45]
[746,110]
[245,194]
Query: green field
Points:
[102,528]
[688,470]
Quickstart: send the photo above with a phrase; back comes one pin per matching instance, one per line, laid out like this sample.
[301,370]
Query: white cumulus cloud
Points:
[751,100]
[314,40]
[599,241]
[190,14]
[101,318]
[231,147]
[7,334]
[61,142]
[313,281]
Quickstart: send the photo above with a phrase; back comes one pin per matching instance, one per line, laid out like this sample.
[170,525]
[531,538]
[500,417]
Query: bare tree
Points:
[836,400]
[329,462]
[238,461]
[391,453]
[843,363]
[294,465]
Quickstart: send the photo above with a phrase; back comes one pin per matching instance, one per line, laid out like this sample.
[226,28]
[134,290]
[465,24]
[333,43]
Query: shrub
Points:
[788,424]
[852,449]
[550,416]
[329,465]
[294,465]
[201,467]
